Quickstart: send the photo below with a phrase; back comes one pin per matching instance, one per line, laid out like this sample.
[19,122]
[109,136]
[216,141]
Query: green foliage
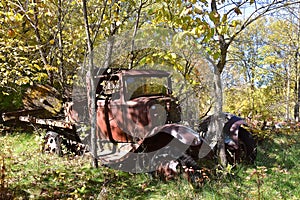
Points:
[29,44]
[262,103]
[262,72]
[10,101]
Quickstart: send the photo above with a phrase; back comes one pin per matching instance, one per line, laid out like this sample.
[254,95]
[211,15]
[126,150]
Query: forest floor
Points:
[27,173]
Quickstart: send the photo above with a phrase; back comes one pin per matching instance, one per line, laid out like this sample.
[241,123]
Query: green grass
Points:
[27,173]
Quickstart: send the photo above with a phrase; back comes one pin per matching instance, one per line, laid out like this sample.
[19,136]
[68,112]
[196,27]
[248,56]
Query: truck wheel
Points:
[188,161]
[192,170]
[247,149]
[52,143]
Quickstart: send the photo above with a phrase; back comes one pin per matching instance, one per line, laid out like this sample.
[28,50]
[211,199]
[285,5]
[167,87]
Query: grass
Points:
[27,173]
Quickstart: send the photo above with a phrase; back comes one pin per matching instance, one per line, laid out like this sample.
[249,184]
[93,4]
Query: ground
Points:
[27,173]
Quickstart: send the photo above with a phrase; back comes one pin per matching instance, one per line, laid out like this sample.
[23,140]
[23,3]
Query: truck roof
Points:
[145,72]
[133,72]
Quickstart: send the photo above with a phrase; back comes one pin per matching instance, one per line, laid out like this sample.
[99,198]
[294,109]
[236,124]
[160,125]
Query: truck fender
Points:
[185,135]
[233,124]
[231,128]
[163,144]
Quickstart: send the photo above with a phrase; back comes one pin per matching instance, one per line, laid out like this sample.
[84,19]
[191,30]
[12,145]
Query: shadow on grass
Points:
[280,150]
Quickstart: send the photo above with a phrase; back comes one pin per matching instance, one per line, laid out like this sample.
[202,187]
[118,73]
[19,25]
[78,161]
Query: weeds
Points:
[258,174]
[5,154]
[2,174]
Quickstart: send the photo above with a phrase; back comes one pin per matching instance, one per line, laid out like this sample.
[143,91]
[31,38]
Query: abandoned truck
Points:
[139,125]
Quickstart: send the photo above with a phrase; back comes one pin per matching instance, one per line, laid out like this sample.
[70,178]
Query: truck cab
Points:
[131,103]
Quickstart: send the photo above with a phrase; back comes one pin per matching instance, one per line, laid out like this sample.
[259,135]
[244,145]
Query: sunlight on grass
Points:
[31,174]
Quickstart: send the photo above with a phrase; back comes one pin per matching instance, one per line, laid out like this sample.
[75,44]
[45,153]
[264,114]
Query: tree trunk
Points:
[298,100]
[91,90]
[287,97]
[296,109]
[132,56]
[297,84]
[39,41]
[218,119]
[60,46]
